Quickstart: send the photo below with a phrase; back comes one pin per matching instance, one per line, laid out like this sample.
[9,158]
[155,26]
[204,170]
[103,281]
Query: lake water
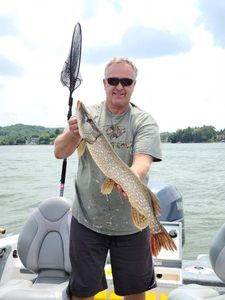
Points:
[31,174]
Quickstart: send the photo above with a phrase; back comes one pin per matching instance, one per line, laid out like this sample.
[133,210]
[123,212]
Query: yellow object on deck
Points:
[112,296]
[163,297]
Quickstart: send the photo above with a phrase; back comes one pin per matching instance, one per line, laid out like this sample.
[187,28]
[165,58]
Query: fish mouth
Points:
[88,128]
[78,104]
[81,108]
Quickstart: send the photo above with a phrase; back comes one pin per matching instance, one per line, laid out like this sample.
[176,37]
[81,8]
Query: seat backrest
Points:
[43,242]
[217,253]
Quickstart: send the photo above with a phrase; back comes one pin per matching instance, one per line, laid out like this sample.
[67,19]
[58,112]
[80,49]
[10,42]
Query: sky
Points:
[178,47]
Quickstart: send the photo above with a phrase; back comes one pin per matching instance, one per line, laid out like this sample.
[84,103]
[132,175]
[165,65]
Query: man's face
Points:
[118,94]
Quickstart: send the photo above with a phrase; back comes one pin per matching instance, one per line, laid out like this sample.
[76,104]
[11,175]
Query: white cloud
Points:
[179,87]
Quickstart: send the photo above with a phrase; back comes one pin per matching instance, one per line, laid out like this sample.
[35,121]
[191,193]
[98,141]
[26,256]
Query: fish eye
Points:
[88,120]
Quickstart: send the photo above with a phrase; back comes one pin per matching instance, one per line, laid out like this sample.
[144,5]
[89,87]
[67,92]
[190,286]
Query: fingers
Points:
[73,125]
[121,191]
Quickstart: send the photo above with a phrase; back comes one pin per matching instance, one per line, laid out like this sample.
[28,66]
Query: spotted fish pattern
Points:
[145,207]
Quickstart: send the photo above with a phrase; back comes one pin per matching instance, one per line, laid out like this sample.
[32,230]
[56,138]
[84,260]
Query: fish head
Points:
[88,129]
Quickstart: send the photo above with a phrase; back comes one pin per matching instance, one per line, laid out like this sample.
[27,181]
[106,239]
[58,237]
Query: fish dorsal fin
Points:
[107,186]
[81,148]
[139,220]
[154,202]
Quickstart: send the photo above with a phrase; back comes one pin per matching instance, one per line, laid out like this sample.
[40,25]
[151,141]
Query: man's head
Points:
[119,82]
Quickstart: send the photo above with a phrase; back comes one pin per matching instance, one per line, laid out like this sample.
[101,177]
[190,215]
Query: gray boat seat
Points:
[43,248]
[217,259]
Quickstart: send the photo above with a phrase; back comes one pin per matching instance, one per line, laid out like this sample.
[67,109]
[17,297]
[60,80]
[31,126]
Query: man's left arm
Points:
[141,164]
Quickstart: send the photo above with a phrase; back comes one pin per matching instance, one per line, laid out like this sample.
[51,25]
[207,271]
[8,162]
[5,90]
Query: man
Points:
[103,223]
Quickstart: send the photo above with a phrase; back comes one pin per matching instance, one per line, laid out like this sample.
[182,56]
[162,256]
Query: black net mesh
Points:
[70,75]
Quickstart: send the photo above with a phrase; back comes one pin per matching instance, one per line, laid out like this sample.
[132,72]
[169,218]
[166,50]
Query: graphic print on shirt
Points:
[114,134]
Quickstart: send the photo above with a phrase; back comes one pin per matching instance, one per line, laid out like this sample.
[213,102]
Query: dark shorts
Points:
[130,258]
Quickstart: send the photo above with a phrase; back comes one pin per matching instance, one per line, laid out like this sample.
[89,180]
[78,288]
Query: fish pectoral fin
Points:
[107,186]
[155,203]
[81,148]
[139,220]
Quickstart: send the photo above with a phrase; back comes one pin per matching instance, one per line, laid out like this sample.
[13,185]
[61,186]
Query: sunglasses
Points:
[115,81]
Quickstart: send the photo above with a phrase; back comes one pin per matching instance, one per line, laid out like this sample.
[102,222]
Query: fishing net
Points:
[71,77]
[70,74]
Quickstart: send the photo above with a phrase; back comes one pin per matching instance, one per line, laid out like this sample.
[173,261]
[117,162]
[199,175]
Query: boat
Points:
[34,264]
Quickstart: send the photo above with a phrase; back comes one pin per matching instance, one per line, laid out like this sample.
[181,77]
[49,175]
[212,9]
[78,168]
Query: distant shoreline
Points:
[20,134]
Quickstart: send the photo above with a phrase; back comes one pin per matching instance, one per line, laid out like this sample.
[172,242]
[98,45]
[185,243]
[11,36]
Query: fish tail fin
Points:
[161,240]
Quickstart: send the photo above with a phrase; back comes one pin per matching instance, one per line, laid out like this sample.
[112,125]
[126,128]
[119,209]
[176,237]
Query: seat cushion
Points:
[217,253]
[43,248]
[193,292]
[44,239]
[25,290]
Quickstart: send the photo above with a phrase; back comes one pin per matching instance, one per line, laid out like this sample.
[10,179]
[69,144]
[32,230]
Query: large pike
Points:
[145,206]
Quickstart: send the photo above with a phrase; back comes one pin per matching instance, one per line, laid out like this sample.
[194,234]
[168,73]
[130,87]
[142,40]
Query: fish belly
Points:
[114,168]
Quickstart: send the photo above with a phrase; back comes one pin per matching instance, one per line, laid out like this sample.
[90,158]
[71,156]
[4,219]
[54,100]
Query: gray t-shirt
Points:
[135,131]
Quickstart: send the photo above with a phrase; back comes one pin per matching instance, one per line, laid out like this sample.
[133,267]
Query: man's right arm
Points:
[66,143]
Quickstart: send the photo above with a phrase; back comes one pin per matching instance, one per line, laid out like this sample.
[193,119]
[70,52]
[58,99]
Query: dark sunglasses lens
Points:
[126,81]
[115,81]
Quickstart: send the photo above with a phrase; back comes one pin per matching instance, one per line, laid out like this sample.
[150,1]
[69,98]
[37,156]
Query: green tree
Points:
[193,135]
[187,135]
[173,138]
[57,132]
[208,133]
[164,136]
[44,138]
[21,141]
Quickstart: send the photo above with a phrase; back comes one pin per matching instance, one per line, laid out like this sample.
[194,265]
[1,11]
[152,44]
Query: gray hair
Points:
[118,60]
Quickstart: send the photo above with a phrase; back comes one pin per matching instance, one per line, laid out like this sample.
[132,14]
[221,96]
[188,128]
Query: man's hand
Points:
[140,167]
[121,191]
[73,126]
[67,142]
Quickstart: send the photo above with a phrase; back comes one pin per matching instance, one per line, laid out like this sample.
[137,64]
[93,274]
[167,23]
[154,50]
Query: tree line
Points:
[20,134]
[204,134]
